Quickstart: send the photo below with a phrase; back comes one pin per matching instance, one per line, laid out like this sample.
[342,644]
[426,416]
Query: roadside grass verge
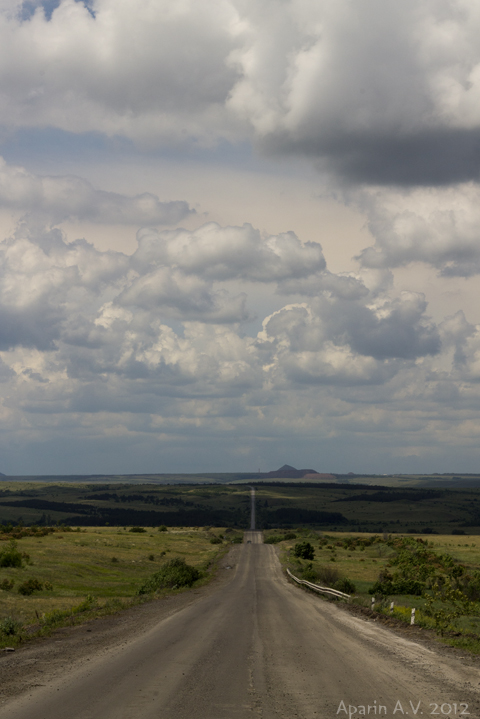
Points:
[447,568]
[94,572]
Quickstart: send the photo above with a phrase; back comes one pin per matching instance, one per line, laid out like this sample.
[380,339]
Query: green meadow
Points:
[102,566]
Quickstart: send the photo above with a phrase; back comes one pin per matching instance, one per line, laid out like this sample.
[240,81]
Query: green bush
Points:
[162,528]
[174,573]
[345,585]
[328,575]
[304,550]
[237,539]
[309,574]
[29,586]
[215,540]
[10,627]
[7,585]
[10,556]
[273,539]
[290,535]
[389,587]
[90,602]
[137,529]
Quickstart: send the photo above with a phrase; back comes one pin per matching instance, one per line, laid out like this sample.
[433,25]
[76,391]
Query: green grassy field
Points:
[109,564]
[363,567]
[331,507]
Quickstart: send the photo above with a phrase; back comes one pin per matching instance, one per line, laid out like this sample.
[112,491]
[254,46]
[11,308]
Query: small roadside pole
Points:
[412,620]
[373,604]
[391,607]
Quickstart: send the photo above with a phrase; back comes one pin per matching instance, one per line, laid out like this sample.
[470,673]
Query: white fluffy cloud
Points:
[436,226]
[226,253]
[71,197]
[159,335]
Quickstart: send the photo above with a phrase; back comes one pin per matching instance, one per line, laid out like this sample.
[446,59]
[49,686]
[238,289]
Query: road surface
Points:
[258,648]
[252,509]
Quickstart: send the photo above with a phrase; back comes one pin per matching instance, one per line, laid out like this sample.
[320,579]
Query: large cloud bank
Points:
[109,350]
[107,346]
[382,91]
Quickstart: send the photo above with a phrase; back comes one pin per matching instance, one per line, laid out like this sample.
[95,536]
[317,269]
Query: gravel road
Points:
[249,645]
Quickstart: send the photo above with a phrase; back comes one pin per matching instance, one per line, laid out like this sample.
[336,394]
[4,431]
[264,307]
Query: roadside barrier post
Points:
[391,607]
[373,604]
[412,620]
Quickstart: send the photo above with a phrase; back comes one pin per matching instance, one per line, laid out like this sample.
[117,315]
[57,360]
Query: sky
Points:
[239,233]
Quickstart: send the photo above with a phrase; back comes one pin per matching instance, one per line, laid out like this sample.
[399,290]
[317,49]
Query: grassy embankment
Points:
[91,572]
[457,578]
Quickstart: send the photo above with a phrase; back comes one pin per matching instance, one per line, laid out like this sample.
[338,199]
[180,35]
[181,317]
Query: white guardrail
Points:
[316,588]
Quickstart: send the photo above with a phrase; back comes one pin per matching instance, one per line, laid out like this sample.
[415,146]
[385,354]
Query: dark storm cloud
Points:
[435,157]
[378,92]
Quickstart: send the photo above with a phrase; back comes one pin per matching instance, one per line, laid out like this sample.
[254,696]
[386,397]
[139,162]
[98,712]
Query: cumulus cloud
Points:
[153,348]
[55,292]
[71,197]
[226,253]
[436,226]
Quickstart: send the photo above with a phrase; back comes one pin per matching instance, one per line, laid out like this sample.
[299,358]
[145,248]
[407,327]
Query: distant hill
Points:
[291,472]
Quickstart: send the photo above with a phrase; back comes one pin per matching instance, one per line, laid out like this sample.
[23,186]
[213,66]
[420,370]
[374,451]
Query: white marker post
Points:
[391,607]
[412,620]
[373,604]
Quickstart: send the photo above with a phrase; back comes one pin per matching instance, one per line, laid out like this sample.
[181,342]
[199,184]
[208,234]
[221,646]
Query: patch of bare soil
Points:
[39,661]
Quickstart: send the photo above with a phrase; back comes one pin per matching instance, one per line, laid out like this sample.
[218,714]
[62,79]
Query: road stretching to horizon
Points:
[252,509]
[258,647]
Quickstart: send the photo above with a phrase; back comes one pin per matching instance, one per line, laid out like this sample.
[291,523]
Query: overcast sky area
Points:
[239,233]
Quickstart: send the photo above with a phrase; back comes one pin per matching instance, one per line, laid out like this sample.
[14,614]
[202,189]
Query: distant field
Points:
[370,509]
[106,563]
[454,480]
[124,505]
[329,506]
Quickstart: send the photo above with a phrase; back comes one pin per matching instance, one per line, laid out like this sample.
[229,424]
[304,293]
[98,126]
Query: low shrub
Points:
[304,550]
[7,585]
[309,574]
[29,586]
[273,539]
[162,528]
[90,602]
[10,556]
[215,540]
[345,585]
[391,587]
[137,529]
[10,627]
[174,573]
[328,575]
[237,539]
[290,535]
